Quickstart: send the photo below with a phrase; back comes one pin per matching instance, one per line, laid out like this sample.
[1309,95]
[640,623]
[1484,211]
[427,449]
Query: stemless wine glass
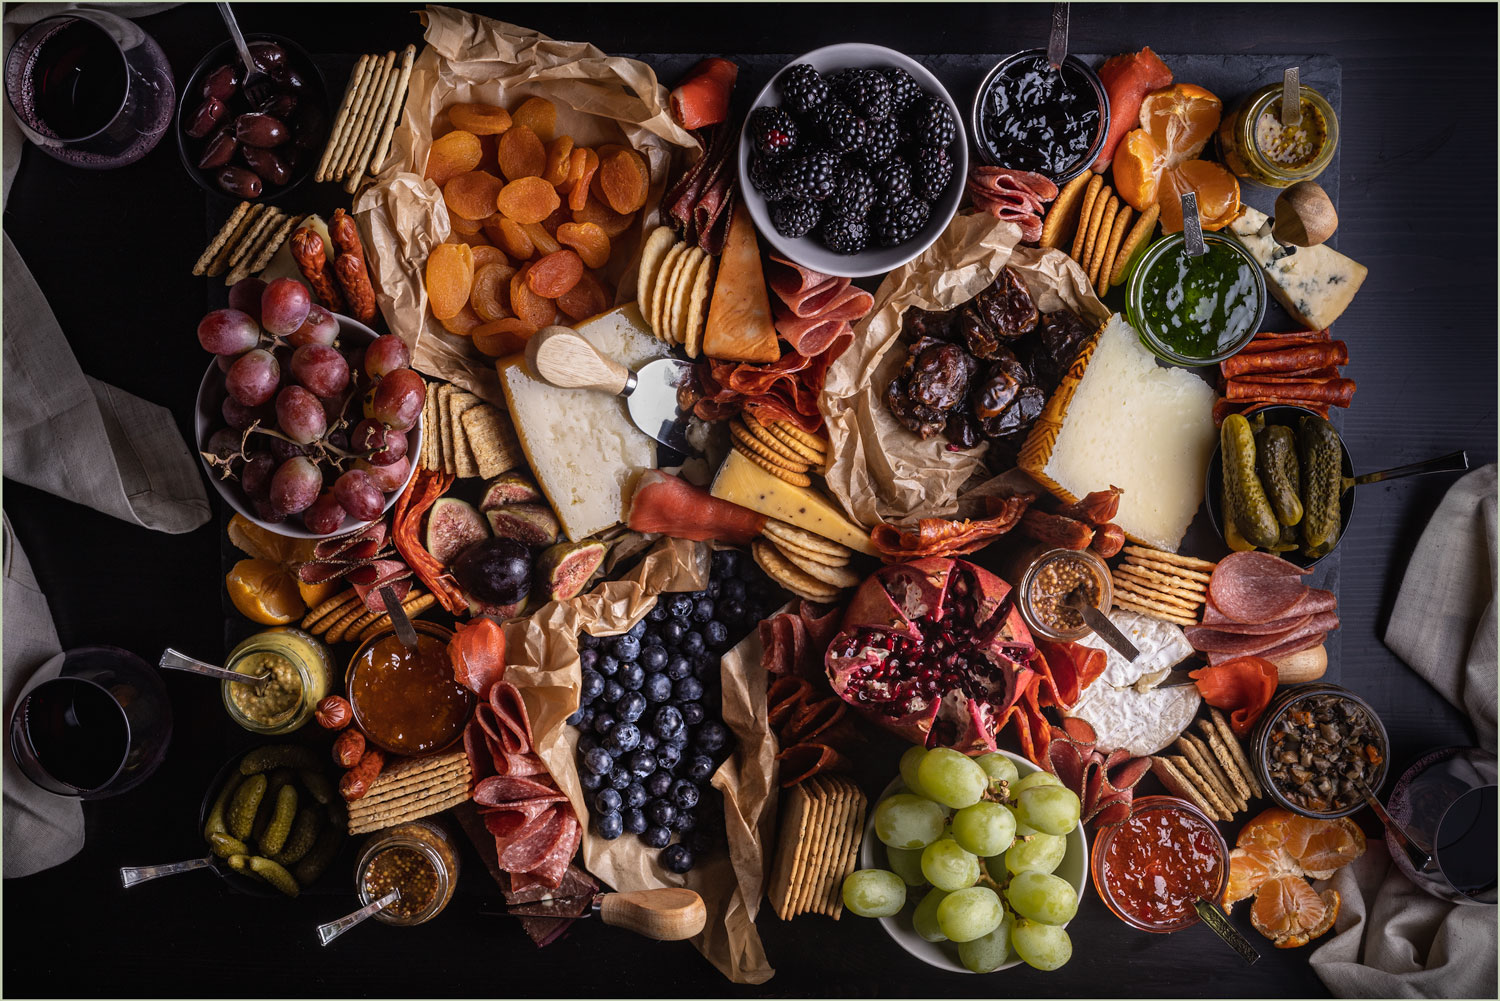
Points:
[100,728]
[90,88]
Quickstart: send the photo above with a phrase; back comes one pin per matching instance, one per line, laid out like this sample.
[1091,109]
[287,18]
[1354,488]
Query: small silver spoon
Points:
[1192,226]
[333,929]
[1100,624]
[1213,916]
[131,875]
[1057,41]
[258,86]
[176,660]
[1420,858]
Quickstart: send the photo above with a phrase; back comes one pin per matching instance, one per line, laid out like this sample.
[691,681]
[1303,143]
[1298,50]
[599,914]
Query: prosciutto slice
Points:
[1017,196]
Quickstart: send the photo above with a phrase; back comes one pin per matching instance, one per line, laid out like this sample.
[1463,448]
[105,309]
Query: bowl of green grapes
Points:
[973,865]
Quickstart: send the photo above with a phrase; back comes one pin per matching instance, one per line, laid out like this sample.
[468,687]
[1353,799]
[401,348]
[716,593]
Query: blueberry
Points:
[724,562]
[680,605]
[587,658]
[700,841]
[661,812]
[679,667]
[609,825]
[657,687]
[649,741]
[688,690]
[712,590]
[679,740]
[589,712]
[677,858]
[654,658]
[716,635]
[635,821]
[668,755]
[607,666]
[658,784]
[626,647]
[589,780]
[700,767]
[692,643]
[632,676]
[630,707]
[651,641]
[703,609]
[623,738]
[657,613]
[612,692]
[593,684]
[732,609]
[577,718]
[666,722]
[642,763]
[610,800]
[692,713]
[620,777]
[603,723]
[686,821]
[732,588]
[586,743]
[587,641]
[711,736]
[598,761]
[635,796]
[684,793]
[638,630]
[706,667]
[672,630]
[657,837]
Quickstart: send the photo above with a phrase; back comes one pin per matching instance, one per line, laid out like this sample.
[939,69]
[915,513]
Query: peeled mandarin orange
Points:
[315,594]
[265,544]
[264,592]
[1157,163]
[1181,119]
[1274,856]
[1290,913]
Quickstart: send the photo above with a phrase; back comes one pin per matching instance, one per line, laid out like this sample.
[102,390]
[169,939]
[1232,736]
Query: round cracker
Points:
[677,295]
[666,283]
[1139,234]
[1085,211]
[810,440]
[763,435]
[1112,249]
[1064,210]
[805,451]
[781,570]
[836,576]
[652,254]
[827,559]
[791,476]
[1190,562]
[1125,586]
[743,439]
[801,537]
[1096,244]
[696,316]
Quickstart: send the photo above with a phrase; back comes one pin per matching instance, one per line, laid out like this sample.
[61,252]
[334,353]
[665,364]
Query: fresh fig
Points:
[509,488]
[500,612]
[453,526]
[495,571]
[532,524]
[563,570]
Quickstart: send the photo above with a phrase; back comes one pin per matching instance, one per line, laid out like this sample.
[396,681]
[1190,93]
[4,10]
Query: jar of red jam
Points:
[406,701]
[1151,869]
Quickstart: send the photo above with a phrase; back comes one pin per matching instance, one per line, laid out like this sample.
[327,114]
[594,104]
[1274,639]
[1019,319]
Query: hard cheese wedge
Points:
[742,481]
[739,319]
[581,444]
[1316,284]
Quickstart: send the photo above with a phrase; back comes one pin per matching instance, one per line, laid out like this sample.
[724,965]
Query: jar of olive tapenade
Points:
[298,670]
[1048,581]
[1317,747]
[416,857]
[1256,146]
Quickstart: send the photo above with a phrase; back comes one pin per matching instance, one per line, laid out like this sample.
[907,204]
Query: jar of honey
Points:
[417,858]
[406,701]
[1256,146]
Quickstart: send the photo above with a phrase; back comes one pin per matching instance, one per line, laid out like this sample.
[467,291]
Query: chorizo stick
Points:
[1338,392]
[1289,359]
[349,267]
[312,260]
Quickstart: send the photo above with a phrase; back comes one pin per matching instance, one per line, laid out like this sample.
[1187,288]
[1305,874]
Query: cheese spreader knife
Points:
[560,357]
[667,914]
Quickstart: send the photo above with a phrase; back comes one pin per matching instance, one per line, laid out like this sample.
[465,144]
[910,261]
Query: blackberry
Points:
[932,169]
[892,181]
[803,89]
[855,196]
[931,123]
[881,140]
[904,89]
[795,218]
[840,129]
[811,178]
[765,176]
[773,131]
[893,224]
[844,236]
[865,91]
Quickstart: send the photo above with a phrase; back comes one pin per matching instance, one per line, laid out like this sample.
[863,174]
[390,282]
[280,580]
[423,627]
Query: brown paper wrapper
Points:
[879,471]
[541,655]
[468,58]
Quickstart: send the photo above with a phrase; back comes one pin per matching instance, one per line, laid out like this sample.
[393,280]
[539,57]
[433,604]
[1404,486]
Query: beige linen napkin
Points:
[1392,939]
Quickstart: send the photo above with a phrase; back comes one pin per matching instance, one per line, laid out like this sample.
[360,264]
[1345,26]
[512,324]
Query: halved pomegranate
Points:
[934,651]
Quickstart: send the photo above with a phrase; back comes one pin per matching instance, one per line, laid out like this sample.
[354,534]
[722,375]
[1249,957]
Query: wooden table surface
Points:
[113,252]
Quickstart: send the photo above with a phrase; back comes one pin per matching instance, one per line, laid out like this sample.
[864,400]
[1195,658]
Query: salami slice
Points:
[1240,644]
[811,335]
[1256,587]
[510,710]
[555,862]
[530,849]
[517,764]
[791,281]
[477,751]
[500,789]
[1227,626]
[1315,601]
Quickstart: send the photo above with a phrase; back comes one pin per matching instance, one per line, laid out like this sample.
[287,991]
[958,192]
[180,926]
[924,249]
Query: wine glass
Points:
[1447,801]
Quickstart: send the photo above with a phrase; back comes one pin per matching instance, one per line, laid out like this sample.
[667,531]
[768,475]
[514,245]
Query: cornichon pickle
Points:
[276,781]
[226,847]
[312,866]
[214,824]
[1321,461]
[1276,463]
[1244,497]
[275,834]
[242,807]
[274,874]
[317,785]
[1288,540]
[240,863]
[277,756]
[304,835]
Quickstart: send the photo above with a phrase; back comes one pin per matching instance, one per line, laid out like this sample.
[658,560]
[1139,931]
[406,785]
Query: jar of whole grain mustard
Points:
[1256,146]
[298,672]
[1048,580]
[416,857]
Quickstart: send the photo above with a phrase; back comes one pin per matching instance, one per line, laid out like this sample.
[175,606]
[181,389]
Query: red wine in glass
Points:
[77,732]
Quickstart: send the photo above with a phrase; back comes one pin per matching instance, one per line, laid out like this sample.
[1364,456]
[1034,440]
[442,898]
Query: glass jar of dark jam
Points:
[1029,116]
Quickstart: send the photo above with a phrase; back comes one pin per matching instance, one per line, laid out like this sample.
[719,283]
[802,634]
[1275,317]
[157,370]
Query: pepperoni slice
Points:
[1256,587]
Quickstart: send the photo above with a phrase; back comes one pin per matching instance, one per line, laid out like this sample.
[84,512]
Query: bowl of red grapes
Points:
[232,146]
[308,423]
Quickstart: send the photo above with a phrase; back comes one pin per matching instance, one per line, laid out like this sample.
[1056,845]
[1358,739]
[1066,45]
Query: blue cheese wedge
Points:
[1123,705]
[1316,284]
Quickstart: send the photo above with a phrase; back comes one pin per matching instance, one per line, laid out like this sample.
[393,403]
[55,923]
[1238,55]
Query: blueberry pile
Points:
[854,159]
[650,712]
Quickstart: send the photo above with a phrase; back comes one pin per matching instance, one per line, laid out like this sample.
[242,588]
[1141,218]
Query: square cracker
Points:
[1231,746]
[801,851]
[811,847]
[445,396]
[1179,785]
[429,428]
[230,227]
[788,845]
[463,456]
[492,438]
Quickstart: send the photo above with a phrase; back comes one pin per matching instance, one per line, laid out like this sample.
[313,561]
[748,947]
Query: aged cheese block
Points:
[1316,284]
[739,318]
[748,485]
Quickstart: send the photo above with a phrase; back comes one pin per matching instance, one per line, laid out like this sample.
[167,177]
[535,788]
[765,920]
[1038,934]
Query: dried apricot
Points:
[472,239]
[555,274]
[521,153]
[625,181]
[576,161]
[480,119]
[579,193]
[450,272]
[589,239]
[510,237]
[490,297]
[465,226]
[486,255]
[613,223]
[539,115]
[541,239]
[588,298]
[456,153]
[559,153]
[556,219]
[528,199]
[464,323]
[504,337]
[526,304]
[472,195]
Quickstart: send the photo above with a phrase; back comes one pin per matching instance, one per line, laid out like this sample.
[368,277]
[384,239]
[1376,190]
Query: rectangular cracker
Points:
[1236,753]
[364,121]
[429,428]
[459,404]
[845,850]
[1179,785]
[267,251]
[492,438]
[341,120]
[826,804]
[788,850]
[832,835]
[445,394]
[247,223]
[1208,770]
[230,227]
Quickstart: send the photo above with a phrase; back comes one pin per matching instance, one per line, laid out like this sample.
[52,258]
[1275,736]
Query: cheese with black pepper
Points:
[1315,284]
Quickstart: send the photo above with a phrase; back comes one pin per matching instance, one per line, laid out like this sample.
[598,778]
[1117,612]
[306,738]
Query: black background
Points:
[113,253]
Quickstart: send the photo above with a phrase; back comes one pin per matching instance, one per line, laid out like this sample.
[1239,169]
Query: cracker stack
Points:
[821,824]
[344,617]
[410,790]
[361,135]
[1099,223]
[780,448]
[804,563]
[1162,585]
[672,289]
[246,243]
[466,436]
[1213,772]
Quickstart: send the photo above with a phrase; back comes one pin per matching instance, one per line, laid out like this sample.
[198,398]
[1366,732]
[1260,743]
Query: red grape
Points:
[300,415]
[266,510]
[239,416]
[321,369]
[284,306]
[378,443]
[225,362]
[253,379]
[398,399]
[282,450]
[296,484]
[228,332]
[255,478]
[392,477]
[357,493]
[245,295]
[320,327]
[223,442]
[385,355]
[323,516]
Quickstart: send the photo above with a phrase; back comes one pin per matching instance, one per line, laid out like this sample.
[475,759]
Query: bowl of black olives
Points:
[233,148]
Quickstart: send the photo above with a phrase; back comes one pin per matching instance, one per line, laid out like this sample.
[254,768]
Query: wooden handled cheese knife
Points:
[667,914]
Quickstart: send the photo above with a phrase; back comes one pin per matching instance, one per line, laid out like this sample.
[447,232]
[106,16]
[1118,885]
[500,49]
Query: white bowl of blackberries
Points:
[650,714]
[853,160]
[307,422]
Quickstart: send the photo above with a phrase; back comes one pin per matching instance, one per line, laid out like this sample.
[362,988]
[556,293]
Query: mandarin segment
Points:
[1290,913]
[456,153]
[528,199]
[588,239]
[521,153]
[472,195]
[490,296]
[480,119]
[559,157]
[504,337]
[537,114]
[589,297]
[625,180]
[450,273]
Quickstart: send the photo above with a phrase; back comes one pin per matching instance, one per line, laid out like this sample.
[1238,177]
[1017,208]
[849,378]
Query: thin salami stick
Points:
[1290,359]
[1336,391]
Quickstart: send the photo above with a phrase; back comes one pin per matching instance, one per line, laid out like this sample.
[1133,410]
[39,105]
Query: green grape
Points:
[964,915]
[1038,853]
[949,867]
[907,821]
[1038,778]
[988,952]
[951,778]
[909,762]
[924,918]
[906,863]
[998,767]
[986,829]
[1023,831]
[1044,947]
[874,893]
[1042,897]
[1049,809]
[995,866]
